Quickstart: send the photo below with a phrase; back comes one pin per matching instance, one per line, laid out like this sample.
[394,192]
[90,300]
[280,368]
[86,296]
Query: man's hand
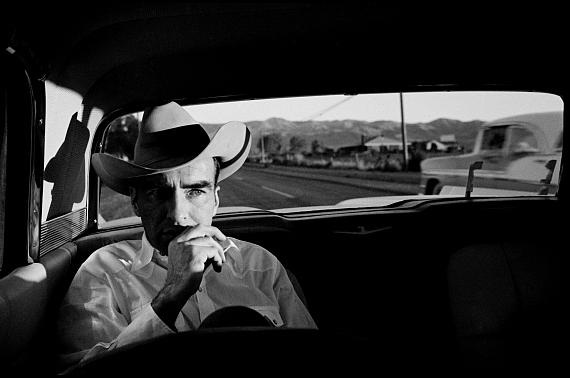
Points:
[189,254]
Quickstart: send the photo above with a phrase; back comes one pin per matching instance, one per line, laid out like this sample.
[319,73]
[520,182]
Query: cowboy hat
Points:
[169,139]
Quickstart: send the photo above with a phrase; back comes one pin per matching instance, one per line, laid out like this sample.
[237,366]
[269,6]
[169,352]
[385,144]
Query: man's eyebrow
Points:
[198,185]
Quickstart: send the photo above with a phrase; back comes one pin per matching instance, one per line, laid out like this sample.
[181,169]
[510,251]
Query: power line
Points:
[328,109]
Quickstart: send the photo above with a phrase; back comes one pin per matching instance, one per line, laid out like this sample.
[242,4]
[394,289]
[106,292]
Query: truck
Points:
[520,155]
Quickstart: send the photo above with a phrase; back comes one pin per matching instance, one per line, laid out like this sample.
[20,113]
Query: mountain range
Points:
[342,133]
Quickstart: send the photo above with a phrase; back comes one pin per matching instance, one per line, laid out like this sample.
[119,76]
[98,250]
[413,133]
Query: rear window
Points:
[353,150]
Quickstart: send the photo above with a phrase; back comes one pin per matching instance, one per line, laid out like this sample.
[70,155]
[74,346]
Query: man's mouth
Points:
[171,233]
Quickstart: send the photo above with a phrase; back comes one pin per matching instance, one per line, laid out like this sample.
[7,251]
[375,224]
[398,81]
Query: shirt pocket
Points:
[271,313]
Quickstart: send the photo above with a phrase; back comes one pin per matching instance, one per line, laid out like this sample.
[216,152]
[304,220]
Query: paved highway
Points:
[277,187]
[267,189]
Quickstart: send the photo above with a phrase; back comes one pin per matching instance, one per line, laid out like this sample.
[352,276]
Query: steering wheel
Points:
[235,316]
[234,340]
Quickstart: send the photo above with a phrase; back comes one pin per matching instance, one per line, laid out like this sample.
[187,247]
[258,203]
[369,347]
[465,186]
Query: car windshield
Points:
[347,150]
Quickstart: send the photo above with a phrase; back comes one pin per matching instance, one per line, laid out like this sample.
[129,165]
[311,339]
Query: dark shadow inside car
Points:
[462,302]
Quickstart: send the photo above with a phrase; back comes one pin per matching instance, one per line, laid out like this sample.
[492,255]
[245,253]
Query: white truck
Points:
[520,155]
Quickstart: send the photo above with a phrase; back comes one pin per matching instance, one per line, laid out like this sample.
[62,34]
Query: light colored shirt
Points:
[108,304]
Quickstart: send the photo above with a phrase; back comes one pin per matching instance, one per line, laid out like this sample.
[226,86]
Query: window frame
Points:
[23,111]
[94,182]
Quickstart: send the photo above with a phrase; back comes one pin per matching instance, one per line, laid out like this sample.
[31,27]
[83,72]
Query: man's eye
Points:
[194,192]
[152,192]
[156,193]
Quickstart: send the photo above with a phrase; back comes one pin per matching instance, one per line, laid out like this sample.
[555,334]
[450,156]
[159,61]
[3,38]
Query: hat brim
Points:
[231,144]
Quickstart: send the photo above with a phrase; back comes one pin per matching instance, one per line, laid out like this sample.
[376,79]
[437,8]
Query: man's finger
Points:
[205,256]
[217,234]
[201,230]
[204,241]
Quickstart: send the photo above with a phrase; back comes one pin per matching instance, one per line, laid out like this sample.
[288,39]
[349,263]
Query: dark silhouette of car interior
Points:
[451,284]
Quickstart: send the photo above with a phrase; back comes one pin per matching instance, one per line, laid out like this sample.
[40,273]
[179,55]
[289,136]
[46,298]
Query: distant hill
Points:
[332,134]
[341,133]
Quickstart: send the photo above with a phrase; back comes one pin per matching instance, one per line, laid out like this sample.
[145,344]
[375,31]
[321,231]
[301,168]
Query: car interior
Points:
[452,284]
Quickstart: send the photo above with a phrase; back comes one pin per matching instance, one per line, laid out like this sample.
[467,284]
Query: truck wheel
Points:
[433,187]
[437,188]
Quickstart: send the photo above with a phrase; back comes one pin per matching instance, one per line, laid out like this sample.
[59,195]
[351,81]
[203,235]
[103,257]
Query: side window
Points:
[119,141]
[494,138]
[522,140]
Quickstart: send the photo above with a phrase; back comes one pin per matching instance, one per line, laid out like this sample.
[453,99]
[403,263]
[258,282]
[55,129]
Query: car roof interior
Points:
[123,57]
[134,54]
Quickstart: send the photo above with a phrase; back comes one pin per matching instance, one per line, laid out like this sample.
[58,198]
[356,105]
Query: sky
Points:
[418,107]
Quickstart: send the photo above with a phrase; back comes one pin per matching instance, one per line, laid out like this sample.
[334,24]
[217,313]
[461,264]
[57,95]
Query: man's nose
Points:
[179,209]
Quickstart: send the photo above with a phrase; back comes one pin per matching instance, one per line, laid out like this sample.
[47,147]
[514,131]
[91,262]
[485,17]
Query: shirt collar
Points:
[146,251]
[143,255]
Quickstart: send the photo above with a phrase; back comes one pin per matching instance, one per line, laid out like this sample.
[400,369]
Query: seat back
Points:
[23,298]
[508,303]
[29,299]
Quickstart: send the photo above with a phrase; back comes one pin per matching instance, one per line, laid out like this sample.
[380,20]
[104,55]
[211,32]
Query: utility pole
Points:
[404,136]
[262,149]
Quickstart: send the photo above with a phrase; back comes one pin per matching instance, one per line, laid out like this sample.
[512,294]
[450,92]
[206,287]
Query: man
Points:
[183,269]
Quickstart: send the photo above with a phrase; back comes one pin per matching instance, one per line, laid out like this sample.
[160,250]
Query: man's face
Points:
[169,202]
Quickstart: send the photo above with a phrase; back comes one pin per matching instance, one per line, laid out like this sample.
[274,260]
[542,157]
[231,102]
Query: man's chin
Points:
[161,245]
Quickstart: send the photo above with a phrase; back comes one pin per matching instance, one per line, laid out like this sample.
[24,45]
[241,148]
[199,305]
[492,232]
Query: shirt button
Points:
[200,289]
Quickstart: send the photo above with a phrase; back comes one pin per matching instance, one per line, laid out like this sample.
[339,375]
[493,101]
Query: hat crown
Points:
[168,139]
[165,117]
[168,135]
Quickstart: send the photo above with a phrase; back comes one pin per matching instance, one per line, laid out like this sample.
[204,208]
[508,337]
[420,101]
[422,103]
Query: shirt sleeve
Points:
[91,322]
[291,308]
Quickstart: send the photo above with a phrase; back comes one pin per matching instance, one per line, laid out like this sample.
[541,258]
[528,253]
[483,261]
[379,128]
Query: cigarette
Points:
[232,244]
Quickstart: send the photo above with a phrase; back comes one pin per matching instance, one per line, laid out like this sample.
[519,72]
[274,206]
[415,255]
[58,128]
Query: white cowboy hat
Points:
[169,138]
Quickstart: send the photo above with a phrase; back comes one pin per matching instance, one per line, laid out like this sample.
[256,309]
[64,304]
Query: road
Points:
[283,187]
[268,189]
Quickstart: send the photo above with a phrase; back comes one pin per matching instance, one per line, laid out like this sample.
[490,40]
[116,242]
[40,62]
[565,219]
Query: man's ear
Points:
[133,194]
[216,199]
